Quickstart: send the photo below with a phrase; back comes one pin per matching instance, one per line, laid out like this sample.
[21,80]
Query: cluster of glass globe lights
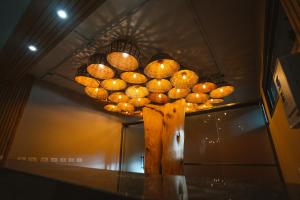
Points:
[116,79]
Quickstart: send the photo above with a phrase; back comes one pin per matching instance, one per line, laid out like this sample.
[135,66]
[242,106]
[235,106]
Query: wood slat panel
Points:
[13,99]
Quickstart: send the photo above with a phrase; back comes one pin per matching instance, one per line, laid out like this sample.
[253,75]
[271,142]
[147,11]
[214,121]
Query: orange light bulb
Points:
[125,55]
[101,66]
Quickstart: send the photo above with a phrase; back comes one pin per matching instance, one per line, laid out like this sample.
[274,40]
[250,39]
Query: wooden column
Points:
[166,187]
[173,138]
[164,138]
[153,127]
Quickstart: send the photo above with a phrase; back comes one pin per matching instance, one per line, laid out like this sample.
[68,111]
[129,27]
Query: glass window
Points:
[279,41]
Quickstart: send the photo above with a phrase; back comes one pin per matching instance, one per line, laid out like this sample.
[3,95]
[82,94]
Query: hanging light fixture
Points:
[159,85]
[118,97]
[205,106]
[96,93]
[139,102]
[84,78]
[176,93]
[161,66]
[111,108]
[191,107]
[114,84]
[222,91]
[129,86]
[204,87]
[99,68]
[160,98]
[197,98]
[123,55]
[134,77]
[136,91]
[127,107]
[215,101]
[184,79]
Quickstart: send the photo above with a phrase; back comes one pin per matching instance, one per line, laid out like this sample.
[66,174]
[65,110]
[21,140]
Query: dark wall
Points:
[232,143]
[13,99]
[57,127]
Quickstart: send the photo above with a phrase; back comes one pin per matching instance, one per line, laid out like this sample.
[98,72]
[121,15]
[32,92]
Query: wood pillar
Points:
[173,138]
[153,127]
[166,187]
[164,138]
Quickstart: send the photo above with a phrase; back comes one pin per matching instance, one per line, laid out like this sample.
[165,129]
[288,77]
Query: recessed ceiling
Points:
[207,36]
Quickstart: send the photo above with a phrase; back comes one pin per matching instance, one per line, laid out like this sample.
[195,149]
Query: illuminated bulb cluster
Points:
[167,82]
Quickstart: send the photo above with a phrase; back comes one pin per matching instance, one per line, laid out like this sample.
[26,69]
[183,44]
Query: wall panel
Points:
[229,144]
[61,127]
[12,101]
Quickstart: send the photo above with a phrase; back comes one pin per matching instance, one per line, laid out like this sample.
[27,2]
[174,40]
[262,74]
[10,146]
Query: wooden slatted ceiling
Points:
[41,27]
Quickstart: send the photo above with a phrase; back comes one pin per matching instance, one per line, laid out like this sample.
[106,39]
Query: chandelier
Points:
[116,79]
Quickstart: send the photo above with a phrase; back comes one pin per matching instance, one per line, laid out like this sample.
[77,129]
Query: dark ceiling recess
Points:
[41,27]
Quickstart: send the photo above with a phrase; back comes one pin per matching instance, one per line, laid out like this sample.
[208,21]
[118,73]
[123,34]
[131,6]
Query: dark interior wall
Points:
[12,102]
[233,136]
[133,149]
[57,127]
[232,143]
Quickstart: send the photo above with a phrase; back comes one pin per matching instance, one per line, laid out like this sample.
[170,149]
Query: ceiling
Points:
[9,23]
[39,25]
[207,36]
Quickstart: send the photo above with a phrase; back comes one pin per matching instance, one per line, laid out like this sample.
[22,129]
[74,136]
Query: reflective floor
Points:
[136,186]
